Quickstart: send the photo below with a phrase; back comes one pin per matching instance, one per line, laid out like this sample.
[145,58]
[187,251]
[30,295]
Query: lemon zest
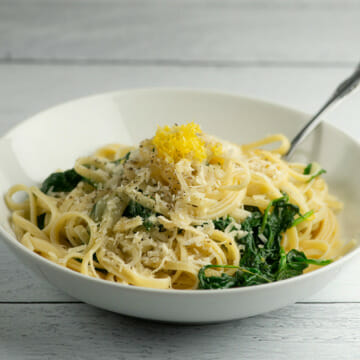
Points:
[180,142]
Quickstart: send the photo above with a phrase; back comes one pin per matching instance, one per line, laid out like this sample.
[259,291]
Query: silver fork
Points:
[344,89]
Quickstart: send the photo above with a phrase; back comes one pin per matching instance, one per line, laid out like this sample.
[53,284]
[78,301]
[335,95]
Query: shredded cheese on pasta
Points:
[185,179]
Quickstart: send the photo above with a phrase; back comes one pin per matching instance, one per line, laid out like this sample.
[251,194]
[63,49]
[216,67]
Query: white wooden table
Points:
[291,52]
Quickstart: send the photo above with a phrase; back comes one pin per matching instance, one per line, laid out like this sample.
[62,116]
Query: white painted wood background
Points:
[287,51]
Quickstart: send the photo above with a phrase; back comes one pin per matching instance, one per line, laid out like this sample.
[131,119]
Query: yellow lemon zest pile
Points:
[180,142]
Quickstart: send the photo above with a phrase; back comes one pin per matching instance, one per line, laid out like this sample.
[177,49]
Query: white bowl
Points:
[56,137]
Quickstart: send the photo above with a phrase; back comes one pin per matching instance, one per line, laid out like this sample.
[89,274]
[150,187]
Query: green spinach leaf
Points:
[41,221]
[64,181]
[135,209]
[122,160]
[321,171]
[307,171]
[61,181]
[263,259]
[222,223]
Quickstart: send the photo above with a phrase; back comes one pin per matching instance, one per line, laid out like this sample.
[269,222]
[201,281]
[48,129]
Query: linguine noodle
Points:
[181,180]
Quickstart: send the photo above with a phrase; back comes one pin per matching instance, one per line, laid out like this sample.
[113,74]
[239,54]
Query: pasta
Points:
[147,215]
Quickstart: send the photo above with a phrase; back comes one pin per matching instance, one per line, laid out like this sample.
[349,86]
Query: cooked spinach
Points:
[41,221]
[224,281]
[148,224]
[242,277]
[301,218]
[321,171]
[63,181]
[122,160]
[307,171]
[222,223]
[294,263]
[135,209]
[263,259]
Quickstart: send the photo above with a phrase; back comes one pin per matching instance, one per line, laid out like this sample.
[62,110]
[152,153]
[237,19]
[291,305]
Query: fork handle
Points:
[344,89]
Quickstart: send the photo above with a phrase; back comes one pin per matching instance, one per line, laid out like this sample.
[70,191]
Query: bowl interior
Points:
[54,138]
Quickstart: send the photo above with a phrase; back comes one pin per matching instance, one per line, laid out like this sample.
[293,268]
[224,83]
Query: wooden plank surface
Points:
[78,331]
[292,52]
[223,32]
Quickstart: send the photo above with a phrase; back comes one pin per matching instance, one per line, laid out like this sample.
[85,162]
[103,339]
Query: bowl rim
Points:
[160,89]
[12,241]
